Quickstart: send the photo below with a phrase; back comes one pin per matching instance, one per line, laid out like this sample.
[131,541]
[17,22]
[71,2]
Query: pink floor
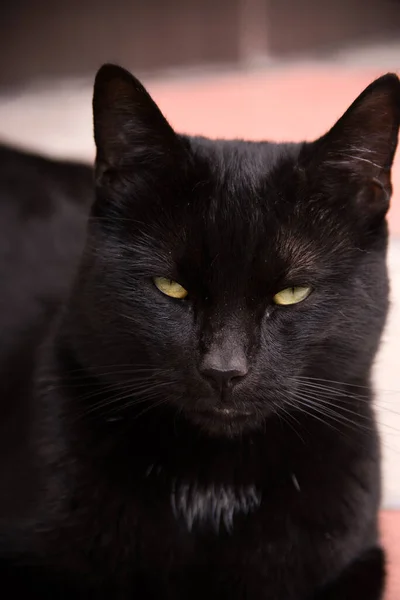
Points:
[390,525]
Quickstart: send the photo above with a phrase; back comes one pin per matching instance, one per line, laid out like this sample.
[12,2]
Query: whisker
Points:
[333,394]
[330,413]
[348,411]
[286,416]
[298,405]
[133,393]
[331,390]
[344,383]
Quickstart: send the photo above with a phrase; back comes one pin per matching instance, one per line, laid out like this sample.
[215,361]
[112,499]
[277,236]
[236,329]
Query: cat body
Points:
[188,403]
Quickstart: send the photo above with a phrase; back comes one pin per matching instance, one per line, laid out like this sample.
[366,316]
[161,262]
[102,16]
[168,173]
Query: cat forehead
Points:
[256,200]
[238,163]
[241,202]
[234,248]
[235,187]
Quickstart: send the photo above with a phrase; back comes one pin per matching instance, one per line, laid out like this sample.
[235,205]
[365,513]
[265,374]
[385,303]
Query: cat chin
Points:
[225,425]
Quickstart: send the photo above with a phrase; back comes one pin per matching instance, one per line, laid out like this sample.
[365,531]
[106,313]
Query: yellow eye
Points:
[169,287]
[292,295]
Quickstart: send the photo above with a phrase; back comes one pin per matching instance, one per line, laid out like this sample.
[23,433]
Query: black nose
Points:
[223,371]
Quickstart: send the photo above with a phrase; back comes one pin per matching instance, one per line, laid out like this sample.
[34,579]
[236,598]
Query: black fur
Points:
[128,468]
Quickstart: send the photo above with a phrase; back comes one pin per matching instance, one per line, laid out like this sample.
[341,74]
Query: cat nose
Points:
[224,371]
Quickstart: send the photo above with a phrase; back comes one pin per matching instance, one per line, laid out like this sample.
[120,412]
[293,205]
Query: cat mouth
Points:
[231,412]
[225,413]
[224,419]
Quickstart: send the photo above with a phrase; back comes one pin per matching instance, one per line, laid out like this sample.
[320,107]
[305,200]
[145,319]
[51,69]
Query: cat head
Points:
[221,278]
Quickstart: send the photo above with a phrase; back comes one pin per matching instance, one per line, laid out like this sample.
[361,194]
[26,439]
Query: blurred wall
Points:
[42,38]
[47,38]
[318,25]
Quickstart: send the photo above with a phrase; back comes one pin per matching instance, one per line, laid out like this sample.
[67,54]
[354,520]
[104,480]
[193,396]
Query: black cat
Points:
[186,360]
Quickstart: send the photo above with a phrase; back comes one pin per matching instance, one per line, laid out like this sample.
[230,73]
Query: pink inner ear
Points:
[373,198]
[382,185]
[378,197]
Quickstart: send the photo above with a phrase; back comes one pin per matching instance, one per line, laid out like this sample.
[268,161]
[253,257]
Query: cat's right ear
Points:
[129,129]
[354,159]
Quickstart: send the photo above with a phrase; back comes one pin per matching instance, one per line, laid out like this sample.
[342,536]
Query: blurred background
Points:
[260,69]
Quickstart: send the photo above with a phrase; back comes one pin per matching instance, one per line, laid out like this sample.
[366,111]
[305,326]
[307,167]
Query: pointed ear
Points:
[129,128]
[361,146]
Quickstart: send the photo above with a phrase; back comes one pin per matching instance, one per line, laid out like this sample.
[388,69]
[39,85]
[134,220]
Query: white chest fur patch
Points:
[213,506]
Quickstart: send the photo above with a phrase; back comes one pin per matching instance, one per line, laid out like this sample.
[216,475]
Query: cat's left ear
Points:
[360,147]
[129,129]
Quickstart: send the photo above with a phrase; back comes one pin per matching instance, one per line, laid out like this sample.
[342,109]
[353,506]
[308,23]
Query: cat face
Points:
[222,277]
